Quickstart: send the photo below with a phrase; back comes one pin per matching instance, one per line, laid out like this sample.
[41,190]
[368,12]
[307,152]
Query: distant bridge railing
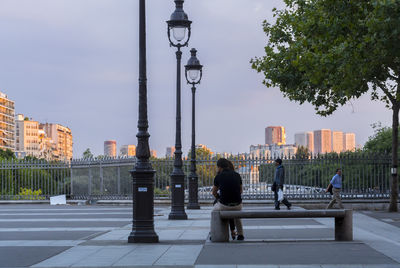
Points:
[365,176]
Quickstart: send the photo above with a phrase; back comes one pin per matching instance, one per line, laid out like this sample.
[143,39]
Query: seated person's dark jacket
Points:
[228,183]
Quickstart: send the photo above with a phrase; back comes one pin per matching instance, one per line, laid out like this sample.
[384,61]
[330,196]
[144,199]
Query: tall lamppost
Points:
[178,24]
[193,74]
[142,173]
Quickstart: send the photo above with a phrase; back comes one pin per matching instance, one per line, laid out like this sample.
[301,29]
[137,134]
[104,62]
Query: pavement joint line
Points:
[161,255]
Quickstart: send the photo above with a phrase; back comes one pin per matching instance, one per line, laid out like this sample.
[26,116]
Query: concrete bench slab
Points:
[343,220]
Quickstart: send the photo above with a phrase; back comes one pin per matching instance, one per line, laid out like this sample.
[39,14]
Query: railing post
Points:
[119,180]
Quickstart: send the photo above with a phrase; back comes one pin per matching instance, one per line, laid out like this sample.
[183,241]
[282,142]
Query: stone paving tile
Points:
[69,257]
[105,257]
[143,255]
[180,255]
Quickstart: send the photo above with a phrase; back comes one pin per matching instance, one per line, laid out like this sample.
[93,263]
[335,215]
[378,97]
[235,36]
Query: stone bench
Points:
[343,220]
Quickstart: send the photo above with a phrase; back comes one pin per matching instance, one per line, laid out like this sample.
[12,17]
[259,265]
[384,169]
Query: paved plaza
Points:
[96,236]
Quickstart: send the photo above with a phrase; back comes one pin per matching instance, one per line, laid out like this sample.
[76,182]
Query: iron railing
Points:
[365,176]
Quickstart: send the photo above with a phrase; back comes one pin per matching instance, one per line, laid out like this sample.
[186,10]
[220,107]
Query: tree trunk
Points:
[395,144]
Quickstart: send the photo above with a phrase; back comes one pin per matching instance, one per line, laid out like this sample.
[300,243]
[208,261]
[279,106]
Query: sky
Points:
[75,62]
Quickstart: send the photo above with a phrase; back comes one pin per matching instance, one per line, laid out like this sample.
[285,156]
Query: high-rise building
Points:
[275,135]
[305,139]
[62,137]
[322,141]
[127,150]
[7,123]
[337,141]
[170,151]
[27,137]
[110,148]
[349,142]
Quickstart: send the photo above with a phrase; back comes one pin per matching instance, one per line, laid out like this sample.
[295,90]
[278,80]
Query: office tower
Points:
[170,151]
[305,139]
[7,123]
[27,137]
[110,148]
[275,135]
[322,141]
[349,142]
[127,150]
[337,141]
[62,137]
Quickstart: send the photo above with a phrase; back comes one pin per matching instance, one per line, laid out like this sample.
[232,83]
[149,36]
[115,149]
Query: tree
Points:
[302,153]
[381,141]
[329,52]
[201,153]
[6,154]
[87,154]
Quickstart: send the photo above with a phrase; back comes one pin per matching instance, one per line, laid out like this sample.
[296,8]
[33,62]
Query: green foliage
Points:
[328,52]
[6,154]
[201,153]
[381,141]
[87,154]
[161,192]
[29,194]
[302,153]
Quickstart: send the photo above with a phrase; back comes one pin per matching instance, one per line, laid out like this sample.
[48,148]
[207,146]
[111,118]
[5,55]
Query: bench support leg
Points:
[219,228]
[344,227]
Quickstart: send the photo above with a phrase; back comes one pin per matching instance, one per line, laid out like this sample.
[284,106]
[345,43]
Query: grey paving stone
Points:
[56,235]
[301,253]
[26,256]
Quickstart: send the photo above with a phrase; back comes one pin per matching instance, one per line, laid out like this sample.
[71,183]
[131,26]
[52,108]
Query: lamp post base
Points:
[143,237]
[177,196]
[177,216]
[193,206]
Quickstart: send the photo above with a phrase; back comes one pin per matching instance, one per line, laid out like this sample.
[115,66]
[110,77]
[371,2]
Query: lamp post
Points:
[193,74]
[178,24]
[142,173]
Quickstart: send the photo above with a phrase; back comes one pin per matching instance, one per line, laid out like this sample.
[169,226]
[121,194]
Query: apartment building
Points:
[62,137]
[27,137]
[305,139]
[322,141]
[275,135]
[127,150]
[153,153]
[7,123]
[274,150]
[110,148]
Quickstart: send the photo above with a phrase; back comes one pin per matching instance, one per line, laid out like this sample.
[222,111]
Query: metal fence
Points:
[365,176]
[33,179]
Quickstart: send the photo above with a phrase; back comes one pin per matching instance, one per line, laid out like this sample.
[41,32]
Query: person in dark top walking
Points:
[229,184]
[279,180]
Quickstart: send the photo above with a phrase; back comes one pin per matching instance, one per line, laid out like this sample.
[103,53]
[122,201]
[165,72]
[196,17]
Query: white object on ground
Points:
[58,200]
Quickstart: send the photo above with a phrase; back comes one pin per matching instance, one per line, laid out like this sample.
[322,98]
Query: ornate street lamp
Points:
[193,74]
[179,25]
[143,173]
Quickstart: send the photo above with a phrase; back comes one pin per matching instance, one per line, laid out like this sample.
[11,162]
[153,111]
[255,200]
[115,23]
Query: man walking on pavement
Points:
[279,180]
[336,184]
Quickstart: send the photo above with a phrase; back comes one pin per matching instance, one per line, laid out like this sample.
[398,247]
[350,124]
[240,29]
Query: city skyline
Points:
[77,64]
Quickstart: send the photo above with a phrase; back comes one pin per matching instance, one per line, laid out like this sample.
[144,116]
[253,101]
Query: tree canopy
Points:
[327,52]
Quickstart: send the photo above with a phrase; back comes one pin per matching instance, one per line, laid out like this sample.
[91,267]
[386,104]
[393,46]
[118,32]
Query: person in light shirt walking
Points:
[336,184]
